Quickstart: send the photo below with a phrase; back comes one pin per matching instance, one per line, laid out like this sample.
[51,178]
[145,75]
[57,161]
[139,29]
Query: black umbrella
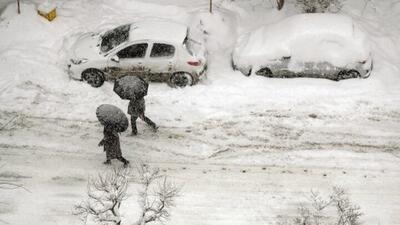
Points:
[112,116]
[131,87]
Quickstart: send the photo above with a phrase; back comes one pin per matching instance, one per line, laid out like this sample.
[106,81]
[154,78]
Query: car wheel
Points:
[266,72]
[347,74]
[181,79]
[93,77]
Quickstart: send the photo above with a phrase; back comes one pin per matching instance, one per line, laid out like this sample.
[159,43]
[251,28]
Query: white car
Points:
[306,45]
[154,50]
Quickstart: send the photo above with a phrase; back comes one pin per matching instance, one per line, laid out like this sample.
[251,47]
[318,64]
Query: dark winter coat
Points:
[111,144]
[136,108]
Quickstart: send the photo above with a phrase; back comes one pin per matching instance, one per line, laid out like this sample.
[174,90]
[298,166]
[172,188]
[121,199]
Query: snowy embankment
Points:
[245,148]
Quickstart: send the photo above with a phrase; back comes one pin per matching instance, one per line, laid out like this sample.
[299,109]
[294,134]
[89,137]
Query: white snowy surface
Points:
[159,30]
[246,149]
[46,6]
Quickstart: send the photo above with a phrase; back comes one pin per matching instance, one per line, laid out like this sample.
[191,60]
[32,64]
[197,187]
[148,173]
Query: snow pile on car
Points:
[217,30]
[304,38]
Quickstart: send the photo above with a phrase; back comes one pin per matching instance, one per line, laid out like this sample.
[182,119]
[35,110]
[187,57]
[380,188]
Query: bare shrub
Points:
[336,209]
[106,193]
[155,203]
[319,6]
[348,213]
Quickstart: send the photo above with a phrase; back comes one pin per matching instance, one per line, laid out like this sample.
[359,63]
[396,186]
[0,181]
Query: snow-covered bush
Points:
[319,6]
[336,209]
[156,197]
[105,195]
[107,191]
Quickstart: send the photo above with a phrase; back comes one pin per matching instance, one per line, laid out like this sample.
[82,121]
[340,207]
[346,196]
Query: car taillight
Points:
[194,63]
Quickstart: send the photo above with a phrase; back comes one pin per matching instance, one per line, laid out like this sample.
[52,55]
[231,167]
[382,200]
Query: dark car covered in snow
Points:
[306,45]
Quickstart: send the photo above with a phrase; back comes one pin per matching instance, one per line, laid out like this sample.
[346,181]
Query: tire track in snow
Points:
[251,135]
[217,190]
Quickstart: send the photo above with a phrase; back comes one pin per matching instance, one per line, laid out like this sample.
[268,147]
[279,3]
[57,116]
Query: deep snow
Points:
[247,149]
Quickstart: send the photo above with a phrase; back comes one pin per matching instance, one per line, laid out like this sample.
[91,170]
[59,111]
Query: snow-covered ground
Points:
[246,149]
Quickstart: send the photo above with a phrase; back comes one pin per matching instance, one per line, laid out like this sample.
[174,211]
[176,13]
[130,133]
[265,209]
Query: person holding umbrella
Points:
[114,121]
[134,88]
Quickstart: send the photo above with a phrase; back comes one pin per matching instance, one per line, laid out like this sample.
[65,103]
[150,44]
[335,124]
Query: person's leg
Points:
[133,125]
[149,122]
[108,160]
[123,160]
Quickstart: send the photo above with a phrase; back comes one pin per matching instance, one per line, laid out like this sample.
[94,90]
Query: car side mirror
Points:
[115,58]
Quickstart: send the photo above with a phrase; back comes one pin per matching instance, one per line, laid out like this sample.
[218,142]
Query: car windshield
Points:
[115,37]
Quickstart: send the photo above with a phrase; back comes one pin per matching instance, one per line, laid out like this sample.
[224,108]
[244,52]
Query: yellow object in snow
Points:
[48,13]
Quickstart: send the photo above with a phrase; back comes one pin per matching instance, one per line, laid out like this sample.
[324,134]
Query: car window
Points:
[114,37]
[133,51]
[162,50]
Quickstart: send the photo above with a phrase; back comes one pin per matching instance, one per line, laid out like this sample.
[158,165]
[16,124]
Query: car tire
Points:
[347,74]
[180,80]
[248,73]
[93,77]
[265,72]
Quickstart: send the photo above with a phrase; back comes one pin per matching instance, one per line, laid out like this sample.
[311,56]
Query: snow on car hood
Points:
[305,38]
[87,46]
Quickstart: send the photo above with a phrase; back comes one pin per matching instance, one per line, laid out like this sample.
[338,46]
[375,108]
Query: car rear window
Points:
[114,37]
[162,50]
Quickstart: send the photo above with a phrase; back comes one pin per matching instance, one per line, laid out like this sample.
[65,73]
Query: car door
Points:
[129,60]
[161,61]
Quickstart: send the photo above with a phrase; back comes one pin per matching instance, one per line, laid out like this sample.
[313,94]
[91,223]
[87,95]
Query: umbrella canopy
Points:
[131,87]
[110,115]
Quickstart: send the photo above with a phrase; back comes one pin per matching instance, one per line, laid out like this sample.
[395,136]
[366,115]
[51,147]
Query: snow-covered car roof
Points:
[305,37]
[158,30]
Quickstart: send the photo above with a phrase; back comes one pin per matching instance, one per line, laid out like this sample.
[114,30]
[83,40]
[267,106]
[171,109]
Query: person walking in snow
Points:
[112,145]
[136,108]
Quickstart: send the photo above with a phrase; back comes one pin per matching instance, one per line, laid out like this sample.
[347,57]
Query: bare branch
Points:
[157,203]
[10,185]
[105,194]
[320,212]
